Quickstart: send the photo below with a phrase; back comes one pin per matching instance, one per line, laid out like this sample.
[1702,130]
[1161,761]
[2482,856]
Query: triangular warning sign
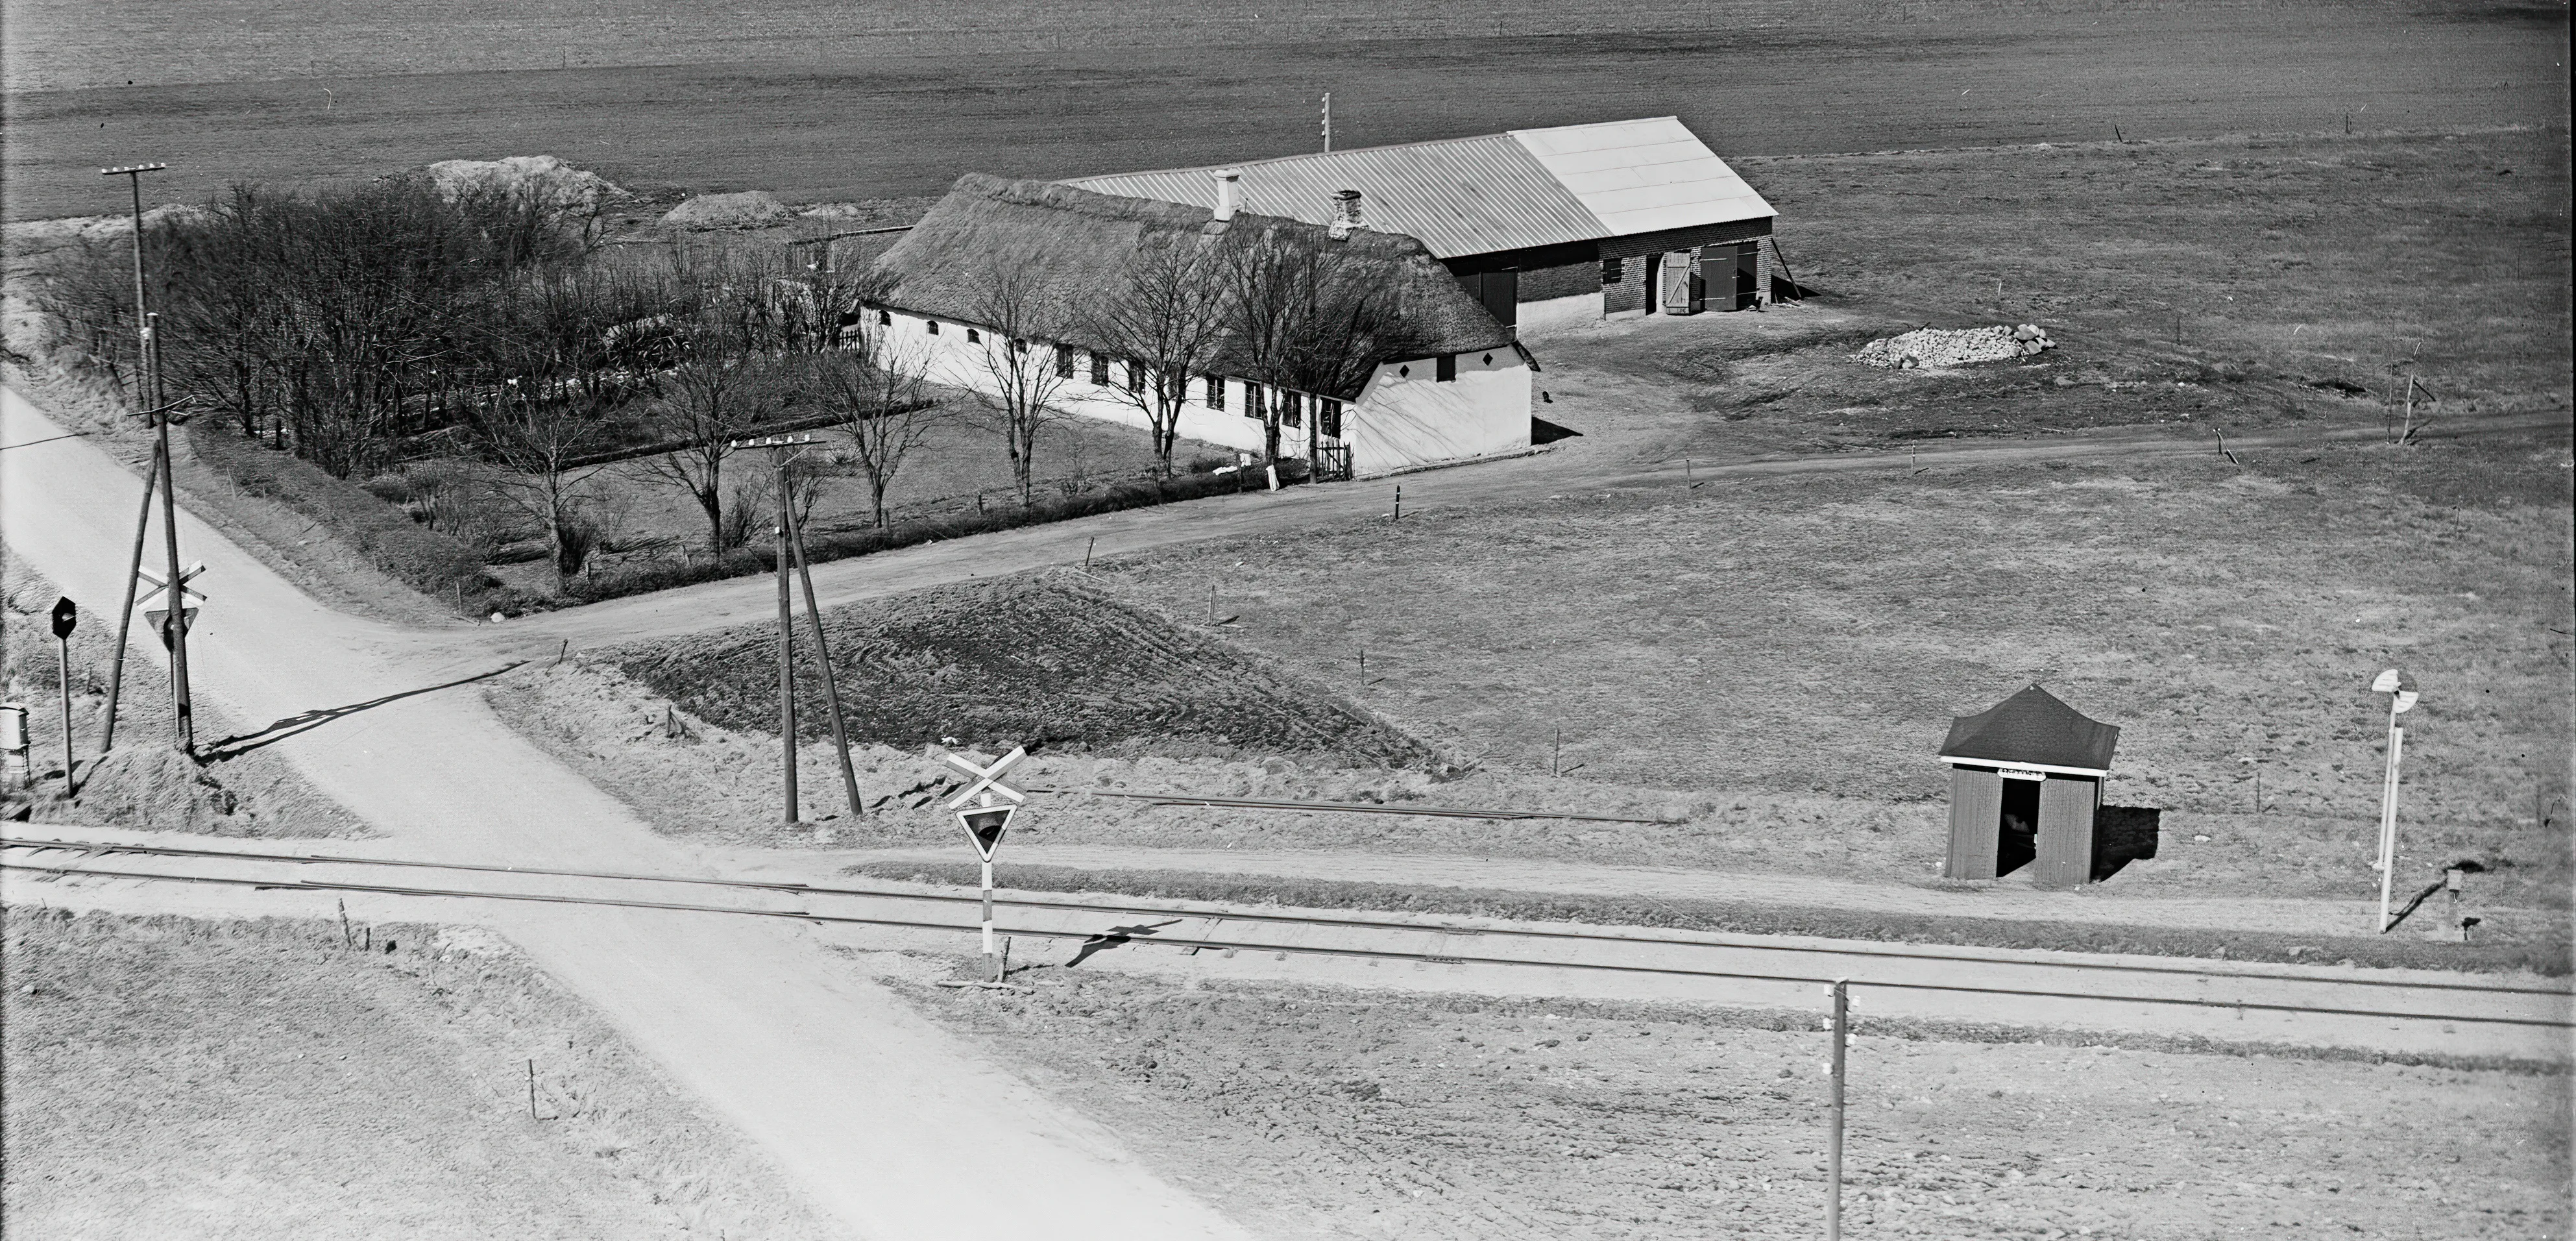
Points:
[984,826]
[160,622]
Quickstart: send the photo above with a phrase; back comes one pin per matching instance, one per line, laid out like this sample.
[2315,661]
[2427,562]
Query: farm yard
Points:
[1729,615]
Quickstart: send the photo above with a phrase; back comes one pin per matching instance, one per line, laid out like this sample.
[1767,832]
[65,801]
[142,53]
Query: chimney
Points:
[1226,181]
[1346,213]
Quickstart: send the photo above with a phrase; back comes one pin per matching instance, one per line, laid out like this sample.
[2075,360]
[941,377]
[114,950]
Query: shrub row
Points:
[1751,918]
[745,561]
[413,554]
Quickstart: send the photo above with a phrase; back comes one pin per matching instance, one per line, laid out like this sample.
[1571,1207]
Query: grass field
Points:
[2304,274]
[1813,636]
[858,103]
[1319,1113]
[170,1077]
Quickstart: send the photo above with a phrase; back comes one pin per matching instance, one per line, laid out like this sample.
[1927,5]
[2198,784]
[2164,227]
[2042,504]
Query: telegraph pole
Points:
[822,653]
[148,383]
[1834,1136]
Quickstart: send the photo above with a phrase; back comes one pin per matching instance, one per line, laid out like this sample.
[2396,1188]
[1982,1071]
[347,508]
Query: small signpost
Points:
[66,619]
[984,809]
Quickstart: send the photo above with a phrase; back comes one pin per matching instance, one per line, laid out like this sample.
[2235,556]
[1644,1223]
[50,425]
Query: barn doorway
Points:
[2017,841]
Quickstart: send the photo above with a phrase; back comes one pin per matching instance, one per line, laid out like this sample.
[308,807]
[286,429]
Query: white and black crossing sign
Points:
[984,808]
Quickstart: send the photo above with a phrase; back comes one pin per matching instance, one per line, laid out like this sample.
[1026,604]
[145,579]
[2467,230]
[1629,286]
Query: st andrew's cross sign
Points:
[985,821]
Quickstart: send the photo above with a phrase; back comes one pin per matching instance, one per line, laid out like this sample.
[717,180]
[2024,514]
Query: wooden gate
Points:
[1679,294]
[1332,463]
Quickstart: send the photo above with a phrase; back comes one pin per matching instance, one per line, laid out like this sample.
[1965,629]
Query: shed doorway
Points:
[2017,835]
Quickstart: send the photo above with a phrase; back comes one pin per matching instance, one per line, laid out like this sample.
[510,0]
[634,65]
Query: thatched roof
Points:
[1075,246]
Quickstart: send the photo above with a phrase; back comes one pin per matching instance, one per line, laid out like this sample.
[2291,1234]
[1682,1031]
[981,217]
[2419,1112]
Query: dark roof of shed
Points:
[2033,727]
[1077,244]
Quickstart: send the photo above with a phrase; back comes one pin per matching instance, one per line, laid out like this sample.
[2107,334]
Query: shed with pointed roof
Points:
[2025,787]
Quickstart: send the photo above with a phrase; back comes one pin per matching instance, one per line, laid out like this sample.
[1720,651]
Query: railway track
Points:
[2522,1017]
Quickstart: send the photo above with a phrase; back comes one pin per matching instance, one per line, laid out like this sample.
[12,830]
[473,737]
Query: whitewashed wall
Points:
[1405,417]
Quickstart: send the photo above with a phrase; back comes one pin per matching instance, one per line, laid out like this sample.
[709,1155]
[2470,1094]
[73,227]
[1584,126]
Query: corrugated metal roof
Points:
[1643,176]
[1460,196]
[1510,191]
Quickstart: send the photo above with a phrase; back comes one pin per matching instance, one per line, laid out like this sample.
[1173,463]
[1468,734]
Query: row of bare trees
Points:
[1264,308]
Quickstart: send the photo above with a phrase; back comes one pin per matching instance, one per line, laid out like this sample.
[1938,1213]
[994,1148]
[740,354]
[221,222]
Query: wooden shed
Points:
[2025,786]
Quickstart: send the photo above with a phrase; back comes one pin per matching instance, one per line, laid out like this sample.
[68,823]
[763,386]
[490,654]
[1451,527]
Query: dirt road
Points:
[884,1120]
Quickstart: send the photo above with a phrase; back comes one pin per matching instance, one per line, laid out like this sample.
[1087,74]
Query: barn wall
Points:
[1627,294]
[1545,284]
[1405,417]
[1408,417]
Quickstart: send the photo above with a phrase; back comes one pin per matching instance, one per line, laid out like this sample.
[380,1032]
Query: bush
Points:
[420,558]
[819,548]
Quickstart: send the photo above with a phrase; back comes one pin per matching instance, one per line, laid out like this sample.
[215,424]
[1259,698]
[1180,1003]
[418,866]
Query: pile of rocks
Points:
[1936,347]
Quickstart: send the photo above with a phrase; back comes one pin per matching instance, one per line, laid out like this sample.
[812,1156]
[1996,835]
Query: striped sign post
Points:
[984,808]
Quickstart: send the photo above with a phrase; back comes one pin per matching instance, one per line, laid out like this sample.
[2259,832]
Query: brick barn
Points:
[1461,390]
[1545,227]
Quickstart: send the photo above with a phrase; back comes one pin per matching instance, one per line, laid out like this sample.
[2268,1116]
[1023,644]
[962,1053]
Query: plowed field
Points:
[1042,663]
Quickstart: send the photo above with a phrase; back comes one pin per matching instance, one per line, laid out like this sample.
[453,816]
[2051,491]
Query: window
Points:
[1613,271]
[1215,392]
[1328,418]
[1021,346]
[974,337]
[1446,368]
[885,319]
[1100,368]
[1064,362]
[1135,375]
[931,326]
[1289,413]
[1252,400]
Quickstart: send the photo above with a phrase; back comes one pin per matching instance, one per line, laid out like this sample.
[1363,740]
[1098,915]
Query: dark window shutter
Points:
[1446,369]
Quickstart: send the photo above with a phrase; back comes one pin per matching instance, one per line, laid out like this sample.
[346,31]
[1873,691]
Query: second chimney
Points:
[1346,212]
[1227,180]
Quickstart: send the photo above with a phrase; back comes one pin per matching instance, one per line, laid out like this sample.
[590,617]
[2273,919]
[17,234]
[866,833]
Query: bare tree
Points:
[878,395]
[536,431]
[1170,319]
[1300,317]
[1025,378]
[718,393]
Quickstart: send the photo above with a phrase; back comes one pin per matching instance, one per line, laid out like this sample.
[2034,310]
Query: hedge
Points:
[413,554]
[745,561]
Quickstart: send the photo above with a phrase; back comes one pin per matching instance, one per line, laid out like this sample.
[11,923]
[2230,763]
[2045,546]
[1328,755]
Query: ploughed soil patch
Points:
[1322,1112]
[1045,663]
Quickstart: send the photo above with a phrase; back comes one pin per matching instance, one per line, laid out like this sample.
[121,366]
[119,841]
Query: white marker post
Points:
[2402,700]
[985,823]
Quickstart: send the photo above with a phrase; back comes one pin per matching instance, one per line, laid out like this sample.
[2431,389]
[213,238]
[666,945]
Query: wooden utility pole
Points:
[1834,1111]
[125,614]
[148,381]
[786,647]
[822,654]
